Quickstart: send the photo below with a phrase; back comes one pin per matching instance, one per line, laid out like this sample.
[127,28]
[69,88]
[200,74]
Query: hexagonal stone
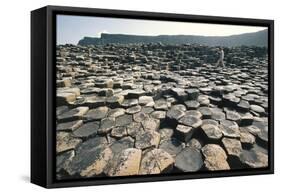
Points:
[217,114]
[191,121]
[119,131]
[134,128]
[61,109]
[180,107]
[194,113]
[127,163]
[156,161]
[133,109]
[158,114]
[64,98]
[106,125]
[146,101]
[192,104]
[232,146]
[69,126]
[150,124]
[121,144]
[195,143]
[96,114]
[246,119]
[179,93]
[210,121]
[95,101]
[172,146]
[135,93]
[215,157]
[90,162]
[203,100]
[140,116]
[116,112]
[247,138]
[87,130]
[147,139]
[175,114]
[257,109]
[73,114]
[130,102]
[166,133]
[230,129]
[254,158]
[124,120]
[65,142]
[161,105]
[230,99]
[212,131]
[192,93]
[206,112]
[63,160]
[243,105]
[189,160]
[147,110]
[115,101]
[233,116]
[184,132]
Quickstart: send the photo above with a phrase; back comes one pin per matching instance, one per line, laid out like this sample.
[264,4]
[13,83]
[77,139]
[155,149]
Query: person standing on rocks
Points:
[221,57]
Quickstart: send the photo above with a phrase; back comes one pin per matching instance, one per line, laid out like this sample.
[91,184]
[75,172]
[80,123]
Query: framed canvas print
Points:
[126,96]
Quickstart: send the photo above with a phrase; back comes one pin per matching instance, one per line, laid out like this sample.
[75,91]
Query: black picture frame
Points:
[43,94]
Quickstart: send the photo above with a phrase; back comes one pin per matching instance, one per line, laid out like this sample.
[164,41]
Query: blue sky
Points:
[70,29]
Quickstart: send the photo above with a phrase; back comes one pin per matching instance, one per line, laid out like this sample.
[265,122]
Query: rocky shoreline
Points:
[139,109]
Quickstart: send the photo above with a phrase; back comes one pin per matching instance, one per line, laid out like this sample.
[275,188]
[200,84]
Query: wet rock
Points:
[156,161]
[87,130]
[147,139]
[189,160]
[215,157]
[127,163]
[65,142]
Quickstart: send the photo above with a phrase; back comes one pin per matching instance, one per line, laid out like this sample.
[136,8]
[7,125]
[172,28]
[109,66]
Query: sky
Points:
[70,29]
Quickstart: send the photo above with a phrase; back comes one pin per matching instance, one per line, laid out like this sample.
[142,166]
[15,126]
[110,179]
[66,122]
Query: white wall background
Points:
[15,94]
